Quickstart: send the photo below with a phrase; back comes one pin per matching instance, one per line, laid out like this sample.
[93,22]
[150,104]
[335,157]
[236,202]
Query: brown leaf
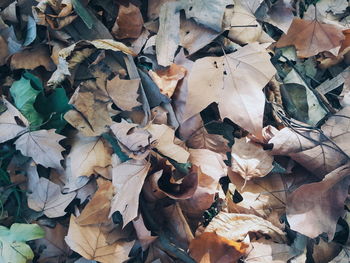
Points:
[315,208]
[210,247]
[167,79]
[129,22]
[250,160]
[46,197]
[97,210]
[32,58]
[3,51]
[12,122]
[128,178]
[91,243]
[143,234]
[123,92]
[311,37]
[42,146]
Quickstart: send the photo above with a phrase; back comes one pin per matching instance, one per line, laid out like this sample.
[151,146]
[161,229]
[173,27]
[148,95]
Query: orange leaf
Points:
[311,37]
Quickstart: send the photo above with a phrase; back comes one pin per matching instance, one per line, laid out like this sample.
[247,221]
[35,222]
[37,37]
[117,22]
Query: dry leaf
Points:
[250,160]
[123,92]
[164,137]
[97,210]
[311,37]
[91,110]
[236,227]
[42,146]
[129,22]
[232,86]
[167,79]
[90,242]
[143,234]
[128,178]
[210,247]
[12,122]
[315,208]
[4,53]
[86,154]
[46,197]
[32,58]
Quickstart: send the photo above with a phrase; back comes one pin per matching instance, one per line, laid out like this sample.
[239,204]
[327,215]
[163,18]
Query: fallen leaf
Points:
[164,137]
[167,79]
[97,210]
[86,154]
[43,146]
[236,227]
[250,160]
[4,51]
[129,22]
[311,37]
[213,248]
[143,234]
[123,92]
[315,208]
[91,243]
[280,15]
[128,178]
[12,122]
[343,257]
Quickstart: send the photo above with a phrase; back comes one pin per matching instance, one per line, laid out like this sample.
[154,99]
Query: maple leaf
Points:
[228,81]
[128,178]
[90,242]
[311,37]
[42,146]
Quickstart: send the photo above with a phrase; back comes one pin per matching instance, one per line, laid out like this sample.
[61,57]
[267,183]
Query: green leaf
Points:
[83,13]
[24,96]
[14,248]
[53,108]
[116,148]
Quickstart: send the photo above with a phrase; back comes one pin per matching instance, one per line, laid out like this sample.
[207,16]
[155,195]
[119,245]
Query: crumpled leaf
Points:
[97,210]
[168,79]
[315,208]
[43,146]
[143,234]
[90,242]
[46,197]
[14,248]
[213,248]
[343,257]
[129,22]
[12,122]
[311,37]
[250,160]
[236,227]
[239,96]
[123,92]
[128,178]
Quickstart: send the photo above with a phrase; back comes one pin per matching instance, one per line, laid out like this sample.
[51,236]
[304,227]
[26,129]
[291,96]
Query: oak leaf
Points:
[43,146]
[128,178]
[311,37]
[91,243]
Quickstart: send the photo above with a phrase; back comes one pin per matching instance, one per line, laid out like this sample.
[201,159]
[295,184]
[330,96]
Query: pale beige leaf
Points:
[250,160]
[97,210]
[46,197]
[42,146]
[86,154]
[143,234]
[110,44]
[123,92]
[164,137]
[236,227]
[9,127]
[90,242]
[315,208]
[128,178]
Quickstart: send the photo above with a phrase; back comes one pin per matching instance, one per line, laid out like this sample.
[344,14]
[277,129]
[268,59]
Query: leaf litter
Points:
[174,131]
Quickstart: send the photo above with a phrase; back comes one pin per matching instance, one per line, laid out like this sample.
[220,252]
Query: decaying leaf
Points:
[311,37]
[91,243]
[128,178]
[249,160]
